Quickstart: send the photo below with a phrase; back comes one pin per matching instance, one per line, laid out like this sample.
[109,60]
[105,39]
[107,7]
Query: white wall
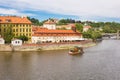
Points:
[2,41]
[50,26]
[16,42]
[40,39]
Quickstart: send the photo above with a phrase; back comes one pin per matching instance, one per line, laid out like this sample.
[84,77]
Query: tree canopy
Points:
[79,27]
[8,35]
[23,38]
[35,21]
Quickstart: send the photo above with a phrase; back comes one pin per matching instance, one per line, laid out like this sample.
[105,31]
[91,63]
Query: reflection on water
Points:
[101,62]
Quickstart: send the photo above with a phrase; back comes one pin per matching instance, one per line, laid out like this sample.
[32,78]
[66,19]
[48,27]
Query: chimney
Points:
[73,28]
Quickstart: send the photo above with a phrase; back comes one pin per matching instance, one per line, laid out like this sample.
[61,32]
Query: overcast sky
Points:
[95,10]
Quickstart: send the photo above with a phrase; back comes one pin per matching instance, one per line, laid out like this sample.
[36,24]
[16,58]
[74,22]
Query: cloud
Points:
[81,8]
[13,12]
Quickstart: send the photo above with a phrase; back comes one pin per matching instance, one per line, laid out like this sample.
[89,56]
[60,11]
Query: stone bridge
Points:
[112,35]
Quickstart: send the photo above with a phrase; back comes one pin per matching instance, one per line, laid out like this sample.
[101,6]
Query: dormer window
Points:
[8,20]
[0,20]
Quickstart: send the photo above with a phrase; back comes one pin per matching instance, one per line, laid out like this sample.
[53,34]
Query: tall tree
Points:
[35,21]
[8,35]
[79,27]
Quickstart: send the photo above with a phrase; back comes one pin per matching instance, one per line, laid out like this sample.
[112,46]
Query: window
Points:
[16,42]
[16,34]
[4,30]
[23,30]
[8,20]
[13,30]
[16,30]
[26,30]
[30,30]
[29,34]
[16,24]
[0,20]
[4,25]
[20,30]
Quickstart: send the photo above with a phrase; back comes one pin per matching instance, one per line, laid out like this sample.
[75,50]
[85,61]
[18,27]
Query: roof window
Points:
[8,20]
[0,20]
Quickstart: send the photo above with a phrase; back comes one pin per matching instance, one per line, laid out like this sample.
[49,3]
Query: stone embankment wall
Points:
[46,46]
[4,47]
[56,46]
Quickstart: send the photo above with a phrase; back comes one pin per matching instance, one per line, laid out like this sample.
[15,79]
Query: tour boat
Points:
[76,50]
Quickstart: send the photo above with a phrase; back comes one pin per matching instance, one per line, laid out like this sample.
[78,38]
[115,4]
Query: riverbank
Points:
[46,46]
[53,46]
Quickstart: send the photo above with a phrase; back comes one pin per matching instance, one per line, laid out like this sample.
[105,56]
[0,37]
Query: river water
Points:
[101,62]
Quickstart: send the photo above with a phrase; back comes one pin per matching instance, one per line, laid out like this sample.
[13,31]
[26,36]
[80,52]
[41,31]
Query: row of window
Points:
[22,30]
[16,30]
[15,25]
[23,34]
[57,37]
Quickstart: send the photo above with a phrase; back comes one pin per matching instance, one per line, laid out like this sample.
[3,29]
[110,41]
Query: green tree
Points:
[35,21]
[23,38]
[65,21]
[91,34]
[95,35]
[8,35]
[87,35]
[79,27]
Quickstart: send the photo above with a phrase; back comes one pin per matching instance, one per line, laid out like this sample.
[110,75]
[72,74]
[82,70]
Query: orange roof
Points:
[46,32]
[87,27]
[14,19]
[35,28]
[53,31]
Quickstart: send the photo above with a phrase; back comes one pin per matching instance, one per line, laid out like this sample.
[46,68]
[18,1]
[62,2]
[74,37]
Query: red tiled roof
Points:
[53,31]
[87,27]
[47,32]
[14,19]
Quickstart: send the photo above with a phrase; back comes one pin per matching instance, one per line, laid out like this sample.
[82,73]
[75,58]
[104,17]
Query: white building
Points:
[42,35]
[86,28]
[49,24]
[2,41]
[68,26]
[16,42]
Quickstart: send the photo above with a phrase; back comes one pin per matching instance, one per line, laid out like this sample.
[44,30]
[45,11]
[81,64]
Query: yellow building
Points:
[18,25]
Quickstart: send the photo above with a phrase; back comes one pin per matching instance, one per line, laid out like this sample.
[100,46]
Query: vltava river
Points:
[101,62]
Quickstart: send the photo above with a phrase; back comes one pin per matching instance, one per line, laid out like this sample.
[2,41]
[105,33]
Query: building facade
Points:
[16,42]
[44,35]
[86,28]
[49,24]
[17,25]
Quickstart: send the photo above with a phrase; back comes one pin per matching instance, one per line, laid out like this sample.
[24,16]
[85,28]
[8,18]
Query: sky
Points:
[91,10]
